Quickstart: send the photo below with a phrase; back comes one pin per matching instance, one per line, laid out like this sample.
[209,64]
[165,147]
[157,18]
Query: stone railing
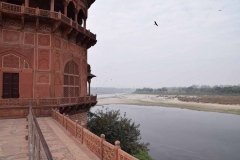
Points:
[17,9]
[98,145]
[38,148]
[62,101]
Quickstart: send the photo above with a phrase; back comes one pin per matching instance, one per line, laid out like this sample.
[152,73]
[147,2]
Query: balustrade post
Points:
[59,15]
[102,136]
[22,8]
[75,130]
[117,146]
[82,135]
[66,119]
[37,11]
[63,120]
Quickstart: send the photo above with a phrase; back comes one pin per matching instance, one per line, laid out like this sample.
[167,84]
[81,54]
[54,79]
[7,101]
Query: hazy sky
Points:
[195,43]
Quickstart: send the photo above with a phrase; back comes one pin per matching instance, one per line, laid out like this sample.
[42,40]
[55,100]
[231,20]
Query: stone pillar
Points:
[52,6]
[89,83]
[65,8]
[26,3]
[76,15]
[85,20]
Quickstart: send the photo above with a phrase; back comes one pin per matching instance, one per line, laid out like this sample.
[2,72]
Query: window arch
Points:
[70,10]
[71,79]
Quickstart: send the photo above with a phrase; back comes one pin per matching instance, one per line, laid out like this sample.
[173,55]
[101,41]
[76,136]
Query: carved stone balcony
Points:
[69,28]
[47,102]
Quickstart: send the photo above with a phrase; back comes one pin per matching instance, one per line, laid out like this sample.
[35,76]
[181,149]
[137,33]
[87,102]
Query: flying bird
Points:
[219,10]
[155,23]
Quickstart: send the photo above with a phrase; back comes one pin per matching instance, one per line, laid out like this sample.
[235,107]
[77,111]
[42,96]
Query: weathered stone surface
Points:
[13,145]
[61,143]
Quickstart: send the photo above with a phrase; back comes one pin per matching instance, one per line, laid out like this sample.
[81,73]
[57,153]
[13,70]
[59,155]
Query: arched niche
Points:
[81,17]
[58,6]
[42,4]
[70,10]
[17,2]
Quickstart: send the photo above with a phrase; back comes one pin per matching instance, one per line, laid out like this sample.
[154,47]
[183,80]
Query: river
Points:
[181,134]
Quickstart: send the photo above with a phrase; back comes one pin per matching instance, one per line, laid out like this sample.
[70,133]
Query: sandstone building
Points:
[43,56]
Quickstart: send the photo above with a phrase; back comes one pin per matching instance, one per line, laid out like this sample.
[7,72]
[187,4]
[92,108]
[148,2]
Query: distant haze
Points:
[194,43]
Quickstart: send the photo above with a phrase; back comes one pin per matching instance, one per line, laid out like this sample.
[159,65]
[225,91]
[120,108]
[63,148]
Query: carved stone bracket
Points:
[73,34]
[55,26]
[66,31]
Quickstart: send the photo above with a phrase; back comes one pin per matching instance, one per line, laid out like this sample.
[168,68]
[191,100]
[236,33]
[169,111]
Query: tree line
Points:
[194,90]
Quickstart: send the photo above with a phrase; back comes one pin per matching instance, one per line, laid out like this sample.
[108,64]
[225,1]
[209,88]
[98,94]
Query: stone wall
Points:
[39,57]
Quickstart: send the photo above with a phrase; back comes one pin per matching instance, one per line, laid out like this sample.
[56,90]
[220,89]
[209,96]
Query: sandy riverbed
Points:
[154,100]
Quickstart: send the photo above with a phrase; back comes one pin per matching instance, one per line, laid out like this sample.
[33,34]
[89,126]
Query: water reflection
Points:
[181,134]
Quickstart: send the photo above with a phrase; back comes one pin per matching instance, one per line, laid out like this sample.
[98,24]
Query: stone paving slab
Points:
[13,145]
[61,143]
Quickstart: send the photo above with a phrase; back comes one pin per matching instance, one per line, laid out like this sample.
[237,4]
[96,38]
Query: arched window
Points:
[42,4]
[81,17]
[71,79]
[17,2]
[58,6]
[70,10]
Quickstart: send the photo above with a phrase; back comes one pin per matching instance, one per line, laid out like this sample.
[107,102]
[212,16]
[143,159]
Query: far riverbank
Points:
[155,100]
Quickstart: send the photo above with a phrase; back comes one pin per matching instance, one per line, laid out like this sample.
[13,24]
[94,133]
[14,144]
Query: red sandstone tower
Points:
[43,56]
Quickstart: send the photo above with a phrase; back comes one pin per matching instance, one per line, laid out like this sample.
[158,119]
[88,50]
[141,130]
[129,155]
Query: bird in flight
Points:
[155,23]
[219,10]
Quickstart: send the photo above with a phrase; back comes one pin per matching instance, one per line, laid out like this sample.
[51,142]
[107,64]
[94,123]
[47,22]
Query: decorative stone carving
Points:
[64,45]
[12,23]
[57,54]
[29,25]
[26,65]
[29,38]
[71,47]
[44,40]
[57,80]
[43,78]
[28,53]
[57,42]
[42,90]
[58,32]
[43,64]
[67,56]
[43,59]
[44,27]
[11,36]
[57,65]
[11,61]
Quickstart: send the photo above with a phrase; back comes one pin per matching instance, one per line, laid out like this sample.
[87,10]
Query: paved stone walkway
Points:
[13,145]
[61,143]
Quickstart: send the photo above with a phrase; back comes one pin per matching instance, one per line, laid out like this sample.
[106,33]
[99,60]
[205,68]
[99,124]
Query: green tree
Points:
[117,127]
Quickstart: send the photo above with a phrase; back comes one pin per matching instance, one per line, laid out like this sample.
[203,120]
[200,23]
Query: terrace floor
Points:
[61,143]
[13,145]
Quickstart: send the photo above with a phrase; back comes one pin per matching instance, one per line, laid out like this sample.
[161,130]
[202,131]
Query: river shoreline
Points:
[154,100]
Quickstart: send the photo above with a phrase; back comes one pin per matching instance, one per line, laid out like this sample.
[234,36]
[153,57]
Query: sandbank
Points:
[155,100]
